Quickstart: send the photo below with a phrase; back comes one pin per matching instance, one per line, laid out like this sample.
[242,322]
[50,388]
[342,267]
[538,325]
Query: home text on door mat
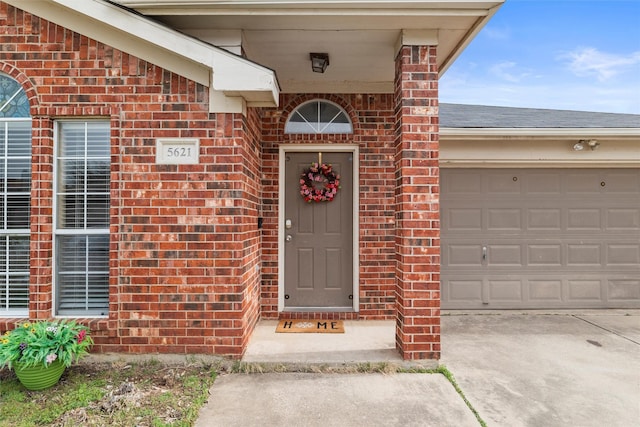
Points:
[311,325]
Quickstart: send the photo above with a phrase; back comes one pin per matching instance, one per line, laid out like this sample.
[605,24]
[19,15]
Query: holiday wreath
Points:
[318,183]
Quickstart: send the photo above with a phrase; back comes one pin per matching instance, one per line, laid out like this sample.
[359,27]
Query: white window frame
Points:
[59,231]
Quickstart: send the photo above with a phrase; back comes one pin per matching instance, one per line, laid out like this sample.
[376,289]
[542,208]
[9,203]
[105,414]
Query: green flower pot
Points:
[39,377]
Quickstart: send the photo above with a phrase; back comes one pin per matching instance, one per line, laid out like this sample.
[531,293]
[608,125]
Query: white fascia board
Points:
[203,63]
[468,37]
[308,4]
[543,133]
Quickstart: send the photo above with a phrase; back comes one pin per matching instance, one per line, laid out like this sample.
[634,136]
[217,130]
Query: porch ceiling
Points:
[361,37]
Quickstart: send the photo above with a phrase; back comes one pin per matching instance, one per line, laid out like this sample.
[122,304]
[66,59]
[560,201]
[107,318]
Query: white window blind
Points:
[82,217]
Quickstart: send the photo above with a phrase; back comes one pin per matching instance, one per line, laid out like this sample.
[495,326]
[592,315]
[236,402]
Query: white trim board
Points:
[234,82]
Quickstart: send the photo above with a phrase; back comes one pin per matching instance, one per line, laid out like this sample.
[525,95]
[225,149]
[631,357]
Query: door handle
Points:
[289,238]
[484,253]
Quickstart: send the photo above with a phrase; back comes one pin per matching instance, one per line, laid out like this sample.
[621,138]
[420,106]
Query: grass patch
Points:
[110,394]
[441,369]
[449,376]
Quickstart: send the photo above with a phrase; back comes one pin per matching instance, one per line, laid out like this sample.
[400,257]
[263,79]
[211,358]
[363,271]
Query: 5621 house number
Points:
[177,151]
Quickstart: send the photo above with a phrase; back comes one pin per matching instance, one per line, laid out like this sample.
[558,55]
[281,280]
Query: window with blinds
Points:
[82,217]
[15,195]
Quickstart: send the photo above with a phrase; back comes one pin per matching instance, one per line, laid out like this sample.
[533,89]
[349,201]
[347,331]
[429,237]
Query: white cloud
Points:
[509,71]
[588,61]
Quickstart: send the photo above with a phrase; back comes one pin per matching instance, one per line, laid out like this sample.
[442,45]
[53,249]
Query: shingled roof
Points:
[484,116]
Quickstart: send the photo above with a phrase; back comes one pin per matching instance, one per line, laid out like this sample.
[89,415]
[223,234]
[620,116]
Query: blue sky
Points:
[561,54]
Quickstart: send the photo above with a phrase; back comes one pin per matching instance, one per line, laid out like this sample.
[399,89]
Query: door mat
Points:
[311,326]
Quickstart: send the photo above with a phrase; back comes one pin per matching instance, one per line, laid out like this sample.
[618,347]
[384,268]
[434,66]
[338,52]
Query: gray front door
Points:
[318,237]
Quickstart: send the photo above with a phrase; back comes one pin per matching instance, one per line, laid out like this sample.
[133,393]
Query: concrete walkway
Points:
[516,369]
[341,400]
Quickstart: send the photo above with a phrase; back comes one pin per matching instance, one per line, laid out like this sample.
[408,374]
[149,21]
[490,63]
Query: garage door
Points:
[540,238]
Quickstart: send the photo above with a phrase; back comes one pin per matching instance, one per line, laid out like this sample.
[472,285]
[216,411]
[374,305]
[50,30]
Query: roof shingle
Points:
[484,116]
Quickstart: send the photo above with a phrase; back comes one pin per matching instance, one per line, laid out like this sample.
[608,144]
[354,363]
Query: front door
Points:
[318,270]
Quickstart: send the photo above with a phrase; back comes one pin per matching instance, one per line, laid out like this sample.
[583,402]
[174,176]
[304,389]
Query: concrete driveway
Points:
[517,369]
[547,369]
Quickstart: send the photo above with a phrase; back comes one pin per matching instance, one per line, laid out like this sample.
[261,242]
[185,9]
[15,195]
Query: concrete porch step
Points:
[364,341]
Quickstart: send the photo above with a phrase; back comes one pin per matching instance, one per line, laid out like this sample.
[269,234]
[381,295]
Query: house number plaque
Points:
[178,151]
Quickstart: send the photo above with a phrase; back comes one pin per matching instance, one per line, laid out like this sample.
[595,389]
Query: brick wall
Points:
[373,120]
[184,239]
[190,271]
[417,200]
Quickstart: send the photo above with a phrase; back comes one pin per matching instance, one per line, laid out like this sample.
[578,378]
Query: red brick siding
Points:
[190,270]
[373,120]
[184,239]
[417,204]
[252,164]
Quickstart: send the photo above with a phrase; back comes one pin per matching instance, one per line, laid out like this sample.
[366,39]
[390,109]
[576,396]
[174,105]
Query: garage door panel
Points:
[466,291]
[624,289]
[464,219]
[545,290]
[548,184]
[581,219]
[579,254]
[464,255]
[623,254]
[468,184]
[583,183]
[505,255]
[502,182]
[584,290]
[545,255]
[623,219]
[505,290]
[544,238]
[621,182]
[544,219]
[504,219]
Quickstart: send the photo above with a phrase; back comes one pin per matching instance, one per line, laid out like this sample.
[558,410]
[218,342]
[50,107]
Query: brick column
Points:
[417,204]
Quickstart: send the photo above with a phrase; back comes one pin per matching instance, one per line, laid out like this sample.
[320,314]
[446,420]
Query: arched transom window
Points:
[13,99]
[318,116]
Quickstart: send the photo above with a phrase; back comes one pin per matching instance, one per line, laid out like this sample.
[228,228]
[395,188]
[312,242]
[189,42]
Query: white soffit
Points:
[242,81]
[360,36]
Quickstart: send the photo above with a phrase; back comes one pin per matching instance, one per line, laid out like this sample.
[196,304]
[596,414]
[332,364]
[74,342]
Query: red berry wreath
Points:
[318,183]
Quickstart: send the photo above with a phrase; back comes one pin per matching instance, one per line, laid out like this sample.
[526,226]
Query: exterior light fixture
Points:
[579,146]
[591,143]
[319,62]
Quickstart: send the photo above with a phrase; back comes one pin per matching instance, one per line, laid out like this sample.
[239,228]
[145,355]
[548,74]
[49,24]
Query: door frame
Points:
[334,148]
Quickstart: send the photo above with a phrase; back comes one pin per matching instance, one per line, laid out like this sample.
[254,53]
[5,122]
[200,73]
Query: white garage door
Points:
[540,238]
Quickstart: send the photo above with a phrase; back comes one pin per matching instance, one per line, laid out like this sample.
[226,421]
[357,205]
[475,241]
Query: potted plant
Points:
[40,351]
